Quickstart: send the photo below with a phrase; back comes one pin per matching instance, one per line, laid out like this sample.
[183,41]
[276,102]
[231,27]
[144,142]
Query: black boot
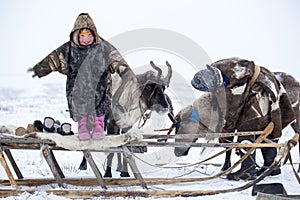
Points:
[269,154]
[39,125]
[65,129]
[247,171]
[48,124]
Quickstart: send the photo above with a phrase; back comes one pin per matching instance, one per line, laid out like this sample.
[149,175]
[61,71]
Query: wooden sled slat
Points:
[201,135]
[7,170]
[56,171]
[212,145]
[13,163]
[89,158]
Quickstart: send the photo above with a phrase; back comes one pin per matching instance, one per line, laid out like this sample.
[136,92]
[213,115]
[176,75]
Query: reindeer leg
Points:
[227,162]
[124,172]
[119,166]
[108,165]
[83,164]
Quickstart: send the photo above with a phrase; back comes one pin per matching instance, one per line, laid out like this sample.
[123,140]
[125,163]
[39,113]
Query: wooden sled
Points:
[47,146]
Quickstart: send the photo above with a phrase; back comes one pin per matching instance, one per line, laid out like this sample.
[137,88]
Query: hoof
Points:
[273,172]
[83,166]
[242,176]
[124,174]
[226,166]
[107,174]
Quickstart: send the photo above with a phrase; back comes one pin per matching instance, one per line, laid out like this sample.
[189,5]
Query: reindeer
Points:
[204,107]
[292,88]
[149,95]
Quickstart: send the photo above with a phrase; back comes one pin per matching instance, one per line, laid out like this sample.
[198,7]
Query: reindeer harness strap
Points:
[145,116]
[255,75]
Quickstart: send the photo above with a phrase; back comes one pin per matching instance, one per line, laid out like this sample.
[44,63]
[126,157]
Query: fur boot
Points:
[98,131]
[83,132]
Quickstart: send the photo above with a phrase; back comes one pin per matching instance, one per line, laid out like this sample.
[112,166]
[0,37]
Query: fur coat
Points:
[88,70]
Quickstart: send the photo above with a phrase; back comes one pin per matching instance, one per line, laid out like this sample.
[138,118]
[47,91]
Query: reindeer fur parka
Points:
[88,70]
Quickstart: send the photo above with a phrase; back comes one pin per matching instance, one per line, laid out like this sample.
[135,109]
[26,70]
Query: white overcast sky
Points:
[267,32]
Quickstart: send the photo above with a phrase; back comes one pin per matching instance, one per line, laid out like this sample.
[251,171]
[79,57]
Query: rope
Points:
[192,171]
[145,117]
[184,166]
[255,75]
[290,144]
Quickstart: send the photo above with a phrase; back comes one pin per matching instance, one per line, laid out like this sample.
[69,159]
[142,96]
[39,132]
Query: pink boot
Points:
[98,132]
[83,131]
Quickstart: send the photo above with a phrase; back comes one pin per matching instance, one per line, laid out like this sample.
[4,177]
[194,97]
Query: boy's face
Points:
[86,37]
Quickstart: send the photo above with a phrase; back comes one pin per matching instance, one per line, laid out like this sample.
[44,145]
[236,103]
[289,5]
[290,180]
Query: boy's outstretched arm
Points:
[55,61]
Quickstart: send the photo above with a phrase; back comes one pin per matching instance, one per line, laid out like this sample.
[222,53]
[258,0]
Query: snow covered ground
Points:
[266,32]
[20,106]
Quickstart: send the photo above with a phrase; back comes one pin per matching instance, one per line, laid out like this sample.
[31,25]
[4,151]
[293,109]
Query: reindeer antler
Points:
[159,72]
[169,75]
[165,80]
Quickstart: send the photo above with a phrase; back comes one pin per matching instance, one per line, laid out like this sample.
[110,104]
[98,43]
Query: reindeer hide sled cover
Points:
[73,143]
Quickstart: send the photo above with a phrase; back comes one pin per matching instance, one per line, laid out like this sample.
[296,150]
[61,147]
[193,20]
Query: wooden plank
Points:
[53,166]
[7,170]
[87,194]
[201,135]
[95,169]
[212,145]
[122,182]
[129,158]
[13,163]
[17,139]
[59,171]
[31,141]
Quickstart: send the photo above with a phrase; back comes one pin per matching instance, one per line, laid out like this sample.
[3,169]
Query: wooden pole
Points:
[94,167]
[7,170]
[13,163]
[53,165]
[128,156]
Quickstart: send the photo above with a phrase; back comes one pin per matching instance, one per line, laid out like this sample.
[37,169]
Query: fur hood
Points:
[83,21]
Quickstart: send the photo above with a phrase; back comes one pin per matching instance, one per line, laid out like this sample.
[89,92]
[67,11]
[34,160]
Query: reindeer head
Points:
[153,86]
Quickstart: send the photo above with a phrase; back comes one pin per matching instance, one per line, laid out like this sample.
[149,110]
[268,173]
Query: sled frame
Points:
[47,148]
